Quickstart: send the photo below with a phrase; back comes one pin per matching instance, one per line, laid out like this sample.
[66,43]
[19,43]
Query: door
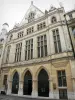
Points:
[15,83]
[43,84]
[27,86]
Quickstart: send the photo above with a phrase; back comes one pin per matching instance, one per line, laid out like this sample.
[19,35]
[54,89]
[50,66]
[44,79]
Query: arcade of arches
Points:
[26,86]
[40,81]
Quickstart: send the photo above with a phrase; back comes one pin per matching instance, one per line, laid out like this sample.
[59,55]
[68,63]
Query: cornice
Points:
[47,59]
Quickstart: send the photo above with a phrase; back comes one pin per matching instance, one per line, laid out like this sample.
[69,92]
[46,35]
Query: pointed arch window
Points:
[53,20]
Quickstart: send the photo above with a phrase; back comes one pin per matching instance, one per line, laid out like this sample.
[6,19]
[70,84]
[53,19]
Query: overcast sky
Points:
[13,11]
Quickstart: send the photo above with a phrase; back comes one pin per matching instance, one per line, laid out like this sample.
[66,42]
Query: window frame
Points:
[41,25]
[53,19]
[29,49]
[18,52]
[62,78]
[57,41]
[42,46]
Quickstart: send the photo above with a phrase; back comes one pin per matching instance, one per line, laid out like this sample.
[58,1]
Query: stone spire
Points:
[31,2]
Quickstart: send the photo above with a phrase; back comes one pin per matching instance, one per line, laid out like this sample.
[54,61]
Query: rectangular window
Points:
[63,94]
[61,78]
[8,52]
[18,52]
[30,30]
[29,50]
[20,34]
[57,43]
[42,46]
[41,26]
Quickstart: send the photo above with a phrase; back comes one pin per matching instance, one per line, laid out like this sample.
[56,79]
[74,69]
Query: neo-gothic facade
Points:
[38,56]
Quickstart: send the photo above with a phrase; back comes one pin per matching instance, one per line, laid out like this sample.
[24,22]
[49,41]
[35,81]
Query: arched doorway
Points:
[43,84]
[15,83]
[27,86]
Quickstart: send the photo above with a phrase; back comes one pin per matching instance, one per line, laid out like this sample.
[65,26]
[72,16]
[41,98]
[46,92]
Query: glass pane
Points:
[60,81]
[45,37]
[29,47]
[41,38]
[53,32]
[57,32]
[44,24]
[25,55]
[59,46]
[45,50]
[41,43]
[54,38]
[56,49]
[26,42]
[58,38]
[28,54]
[41,25]
[42,52]
[64,81]
[63,73]
[59,73]
[38,44]
[45,42]
[31,53]
[38,51]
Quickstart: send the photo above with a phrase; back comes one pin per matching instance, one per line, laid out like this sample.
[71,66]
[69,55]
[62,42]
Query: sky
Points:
[13,11]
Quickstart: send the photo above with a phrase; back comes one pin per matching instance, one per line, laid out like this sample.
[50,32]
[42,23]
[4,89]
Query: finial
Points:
[31,2]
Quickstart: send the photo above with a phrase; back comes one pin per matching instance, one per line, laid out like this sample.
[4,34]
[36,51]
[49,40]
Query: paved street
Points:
[5,97]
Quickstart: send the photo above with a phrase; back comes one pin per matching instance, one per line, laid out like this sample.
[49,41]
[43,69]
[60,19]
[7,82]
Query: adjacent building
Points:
[70,18]
[38,56]
[2,45]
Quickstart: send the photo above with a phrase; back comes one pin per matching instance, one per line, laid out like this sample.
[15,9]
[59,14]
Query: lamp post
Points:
[70,37]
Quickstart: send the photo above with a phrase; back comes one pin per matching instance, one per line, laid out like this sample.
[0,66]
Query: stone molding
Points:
[52,58]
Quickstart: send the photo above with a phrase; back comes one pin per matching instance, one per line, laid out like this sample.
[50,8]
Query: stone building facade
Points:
[37,56]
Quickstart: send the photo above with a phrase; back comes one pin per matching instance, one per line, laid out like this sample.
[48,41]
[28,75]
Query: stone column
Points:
[34,88]
[20,91]
[35,47]
[51,89]
[9,87]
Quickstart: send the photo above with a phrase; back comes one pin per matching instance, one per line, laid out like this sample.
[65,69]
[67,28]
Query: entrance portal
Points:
[27,86]
[15,83]
[43,84]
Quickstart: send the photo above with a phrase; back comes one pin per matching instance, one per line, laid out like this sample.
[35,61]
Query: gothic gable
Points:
[32,13]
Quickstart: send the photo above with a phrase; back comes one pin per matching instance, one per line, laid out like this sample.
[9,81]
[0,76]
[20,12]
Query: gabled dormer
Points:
[32,13]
